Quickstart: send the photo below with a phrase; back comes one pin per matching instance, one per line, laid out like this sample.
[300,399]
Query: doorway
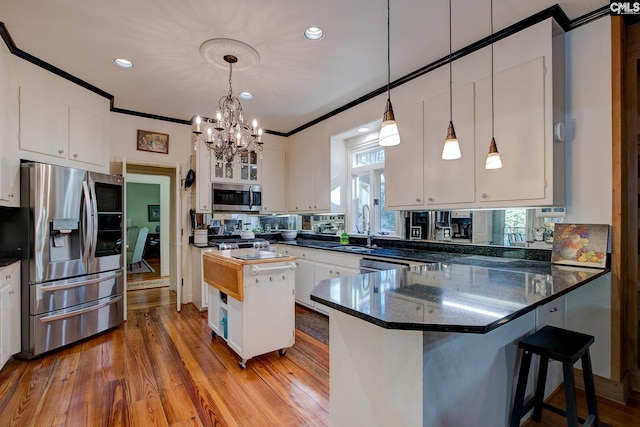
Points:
[147,260]
[168,211]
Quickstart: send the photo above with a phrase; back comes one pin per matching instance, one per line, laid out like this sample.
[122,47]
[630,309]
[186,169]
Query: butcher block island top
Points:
[224,269]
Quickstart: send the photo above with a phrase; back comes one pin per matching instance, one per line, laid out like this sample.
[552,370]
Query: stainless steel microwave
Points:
[236,197]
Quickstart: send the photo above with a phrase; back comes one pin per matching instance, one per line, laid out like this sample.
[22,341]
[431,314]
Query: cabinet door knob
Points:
[75,156]
[337,273]
[11,196]
[484,195]
[418,199]
[431,199]
[553,310]
[60,151]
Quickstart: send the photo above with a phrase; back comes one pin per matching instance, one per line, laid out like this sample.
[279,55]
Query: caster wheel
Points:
[243,364]
[282,351]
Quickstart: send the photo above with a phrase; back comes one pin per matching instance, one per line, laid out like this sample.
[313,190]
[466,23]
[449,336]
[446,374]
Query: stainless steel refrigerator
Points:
[73,265]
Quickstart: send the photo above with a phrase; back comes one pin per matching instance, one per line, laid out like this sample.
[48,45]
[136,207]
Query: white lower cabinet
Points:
[198,285]
[9,311]
[264,321]
[553,313]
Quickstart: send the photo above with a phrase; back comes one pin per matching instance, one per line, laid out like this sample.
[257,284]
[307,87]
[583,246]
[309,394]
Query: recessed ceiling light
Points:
[123,63]
[314,33]
[363,130]
[246,95]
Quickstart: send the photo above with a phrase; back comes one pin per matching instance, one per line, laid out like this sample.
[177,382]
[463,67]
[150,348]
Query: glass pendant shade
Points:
[389,135]
[451,150]
[493,157]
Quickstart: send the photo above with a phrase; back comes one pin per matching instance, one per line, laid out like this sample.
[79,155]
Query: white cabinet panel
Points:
[9,162]
[309,178]
[519,132]
[9,311]
[203,179]
[273,181]
[450,182]
[404,167]
[87,137]
[44,124]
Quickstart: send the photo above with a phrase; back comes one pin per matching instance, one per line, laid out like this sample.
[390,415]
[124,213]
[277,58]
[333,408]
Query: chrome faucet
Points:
[366,223]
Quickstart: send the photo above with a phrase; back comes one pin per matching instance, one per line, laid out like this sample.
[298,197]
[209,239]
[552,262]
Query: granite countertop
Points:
[452,297]
[432,256]
[7,261]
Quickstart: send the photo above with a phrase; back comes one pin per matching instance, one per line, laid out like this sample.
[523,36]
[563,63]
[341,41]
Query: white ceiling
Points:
[295,81]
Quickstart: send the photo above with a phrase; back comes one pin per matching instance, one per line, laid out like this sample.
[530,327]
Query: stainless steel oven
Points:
[236,197]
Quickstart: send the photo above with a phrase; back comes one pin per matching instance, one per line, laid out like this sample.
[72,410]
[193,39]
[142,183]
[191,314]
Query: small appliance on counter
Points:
[431,225]
[201,236]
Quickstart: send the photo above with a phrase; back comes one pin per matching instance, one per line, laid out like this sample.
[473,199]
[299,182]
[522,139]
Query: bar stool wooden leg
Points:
[523,377]
[539,396]
[590,390]
[570,395]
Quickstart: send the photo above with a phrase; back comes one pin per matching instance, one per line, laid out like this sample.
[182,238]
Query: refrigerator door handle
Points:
[94,215]
[54,317]
[87,223]
[53,288]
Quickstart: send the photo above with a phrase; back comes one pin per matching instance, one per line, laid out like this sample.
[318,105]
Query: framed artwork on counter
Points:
[582,245]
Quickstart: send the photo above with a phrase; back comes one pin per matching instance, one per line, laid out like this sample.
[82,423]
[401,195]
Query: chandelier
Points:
[228,135]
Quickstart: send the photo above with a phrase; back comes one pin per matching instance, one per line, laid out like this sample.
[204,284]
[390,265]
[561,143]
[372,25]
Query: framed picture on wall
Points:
[153,141]
[154,213]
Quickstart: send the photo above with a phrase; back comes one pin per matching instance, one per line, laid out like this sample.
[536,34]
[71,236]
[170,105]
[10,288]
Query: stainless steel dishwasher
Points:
[370,265]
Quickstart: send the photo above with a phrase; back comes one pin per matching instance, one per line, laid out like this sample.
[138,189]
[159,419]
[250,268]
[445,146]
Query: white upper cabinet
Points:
[273,181]
[450,181]
[203,179]
[528,113]
[404,163]
[9,162]
[68,132]
[519,132]
[308,177]
[244,169]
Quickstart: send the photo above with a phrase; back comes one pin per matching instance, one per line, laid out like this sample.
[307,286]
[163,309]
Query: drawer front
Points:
[45,297]
[62,327]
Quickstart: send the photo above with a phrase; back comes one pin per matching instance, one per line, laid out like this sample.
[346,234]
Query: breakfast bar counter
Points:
[437,344]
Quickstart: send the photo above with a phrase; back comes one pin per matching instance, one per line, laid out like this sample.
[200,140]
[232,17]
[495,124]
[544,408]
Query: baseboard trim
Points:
[607,388]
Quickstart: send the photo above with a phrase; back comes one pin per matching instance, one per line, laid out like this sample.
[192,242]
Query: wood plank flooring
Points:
[162,368]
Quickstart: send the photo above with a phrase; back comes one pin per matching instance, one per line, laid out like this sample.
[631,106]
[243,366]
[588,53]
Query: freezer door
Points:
[61,294]
[58,328]
[57,226]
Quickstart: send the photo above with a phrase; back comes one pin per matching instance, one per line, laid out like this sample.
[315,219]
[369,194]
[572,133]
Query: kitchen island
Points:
[436,345]
[251,300]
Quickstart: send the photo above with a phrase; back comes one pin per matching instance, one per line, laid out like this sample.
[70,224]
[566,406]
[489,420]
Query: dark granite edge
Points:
[5,261]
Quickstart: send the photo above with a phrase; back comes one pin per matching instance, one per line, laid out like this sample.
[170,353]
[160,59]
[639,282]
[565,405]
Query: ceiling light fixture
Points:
[314,33]
[493,157]
[228,135]
[246,95]
[451,149]
[123,63]
[389,134]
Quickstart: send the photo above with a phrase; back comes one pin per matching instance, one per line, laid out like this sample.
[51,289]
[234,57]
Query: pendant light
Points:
[493,157]
[389,135]
[451,149]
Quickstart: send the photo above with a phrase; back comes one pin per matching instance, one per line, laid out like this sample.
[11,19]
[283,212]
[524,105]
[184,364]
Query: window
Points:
[367,212]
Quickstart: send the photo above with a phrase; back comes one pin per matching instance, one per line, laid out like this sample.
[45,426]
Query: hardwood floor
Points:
[141,277]
[163,368]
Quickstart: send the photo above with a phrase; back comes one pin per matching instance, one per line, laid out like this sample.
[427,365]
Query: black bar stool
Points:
[566,347]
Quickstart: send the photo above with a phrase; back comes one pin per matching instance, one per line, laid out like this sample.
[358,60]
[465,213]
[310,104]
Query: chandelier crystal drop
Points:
[227,134]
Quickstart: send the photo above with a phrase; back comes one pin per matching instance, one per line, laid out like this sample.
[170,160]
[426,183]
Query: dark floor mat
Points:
[315,325]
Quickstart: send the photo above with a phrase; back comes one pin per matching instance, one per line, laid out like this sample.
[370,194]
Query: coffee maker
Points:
[430,225]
